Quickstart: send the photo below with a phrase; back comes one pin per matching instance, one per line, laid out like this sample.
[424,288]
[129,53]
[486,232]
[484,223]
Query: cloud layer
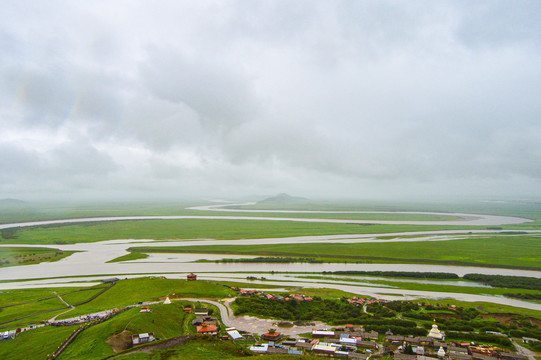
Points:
[225,98]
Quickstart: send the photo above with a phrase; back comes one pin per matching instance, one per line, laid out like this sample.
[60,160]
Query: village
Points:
[347,341]
[344,341]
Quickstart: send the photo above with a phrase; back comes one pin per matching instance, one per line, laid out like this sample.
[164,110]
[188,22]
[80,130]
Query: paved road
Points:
[521,350]
[253,324]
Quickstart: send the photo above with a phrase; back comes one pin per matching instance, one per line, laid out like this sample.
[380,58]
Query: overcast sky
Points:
[361,99]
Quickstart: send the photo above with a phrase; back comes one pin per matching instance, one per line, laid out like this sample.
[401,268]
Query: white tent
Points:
[167,301]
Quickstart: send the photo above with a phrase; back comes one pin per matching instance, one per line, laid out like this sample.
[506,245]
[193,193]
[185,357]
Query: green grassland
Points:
[20,211]
[511,251]
[13,312]
[76,297]
[128,257]
[31,296]
[195,229]
[325,293]
[36,211]
[12,256]
[165,321]
[28,301]
[450,288]
[484,307]
[35,344]
[131,291]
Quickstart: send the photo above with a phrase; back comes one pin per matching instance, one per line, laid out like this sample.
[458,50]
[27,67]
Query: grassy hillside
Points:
[131,291]
[165,321]
[35,344]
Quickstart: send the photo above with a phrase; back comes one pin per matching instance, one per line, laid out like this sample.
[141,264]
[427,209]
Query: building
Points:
[479,356]
[441,352]
[324,349]
[259,348]
[367,344]
[510,356]
[435,333]
[191,277]
[322,333]
[400,356]
[459,356]
[207,329]
[201,311]
[142,338]
[234,334]
[275,336]
[7,335]
[395,339]
[204,319]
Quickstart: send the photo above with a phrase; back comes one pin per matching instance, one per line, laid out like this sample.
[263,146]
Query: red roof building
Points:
[207,329]
[271,336]
[191,277]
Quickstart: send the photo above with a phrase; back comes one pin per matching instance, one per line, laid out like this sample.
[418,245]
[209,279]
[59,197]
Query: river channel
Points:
[91,259]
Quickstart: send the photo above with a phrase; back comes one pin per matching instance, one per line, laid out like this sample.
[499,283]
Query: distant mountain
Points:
[13,203]
[282,199]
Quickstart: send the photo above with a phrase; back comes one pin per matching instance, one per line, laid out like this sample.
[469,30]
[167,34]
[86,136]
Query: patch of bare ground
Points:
[120,342]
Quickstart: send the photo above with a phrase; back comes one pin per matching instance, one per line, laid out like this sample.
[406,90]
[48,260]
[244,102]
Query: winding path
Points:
[251,324]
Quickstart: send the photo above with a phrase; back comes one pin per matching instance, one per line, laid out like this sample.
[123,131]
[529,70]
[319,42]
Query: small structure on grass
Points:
[167,301]
[142,338]
[191,277]
[144,309]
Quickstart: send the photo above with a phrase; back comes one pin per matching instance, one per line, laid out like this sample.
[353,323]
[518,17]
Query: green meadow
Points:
[165,321]
[12,256]
[484,307]
[511,251]
[131,291]
[128,257]
[219,229]
[35,301]
[419,286]
[35,344]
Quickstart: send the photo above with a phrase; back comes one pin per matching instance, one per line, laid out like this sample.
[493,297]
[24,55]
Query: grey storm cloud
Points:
[218,98]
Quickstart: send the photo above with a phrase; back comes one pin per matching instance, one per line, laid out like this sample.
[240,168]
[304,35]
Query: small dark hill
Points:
[13,203]
[282,199]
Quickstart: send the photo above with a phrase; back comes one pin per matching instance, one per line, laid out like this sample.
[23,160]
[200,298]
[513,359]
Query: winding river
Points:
[91,258]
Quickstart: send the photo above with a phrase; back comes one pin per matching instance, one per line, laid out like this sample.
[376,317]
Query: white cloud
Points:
[241,97]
